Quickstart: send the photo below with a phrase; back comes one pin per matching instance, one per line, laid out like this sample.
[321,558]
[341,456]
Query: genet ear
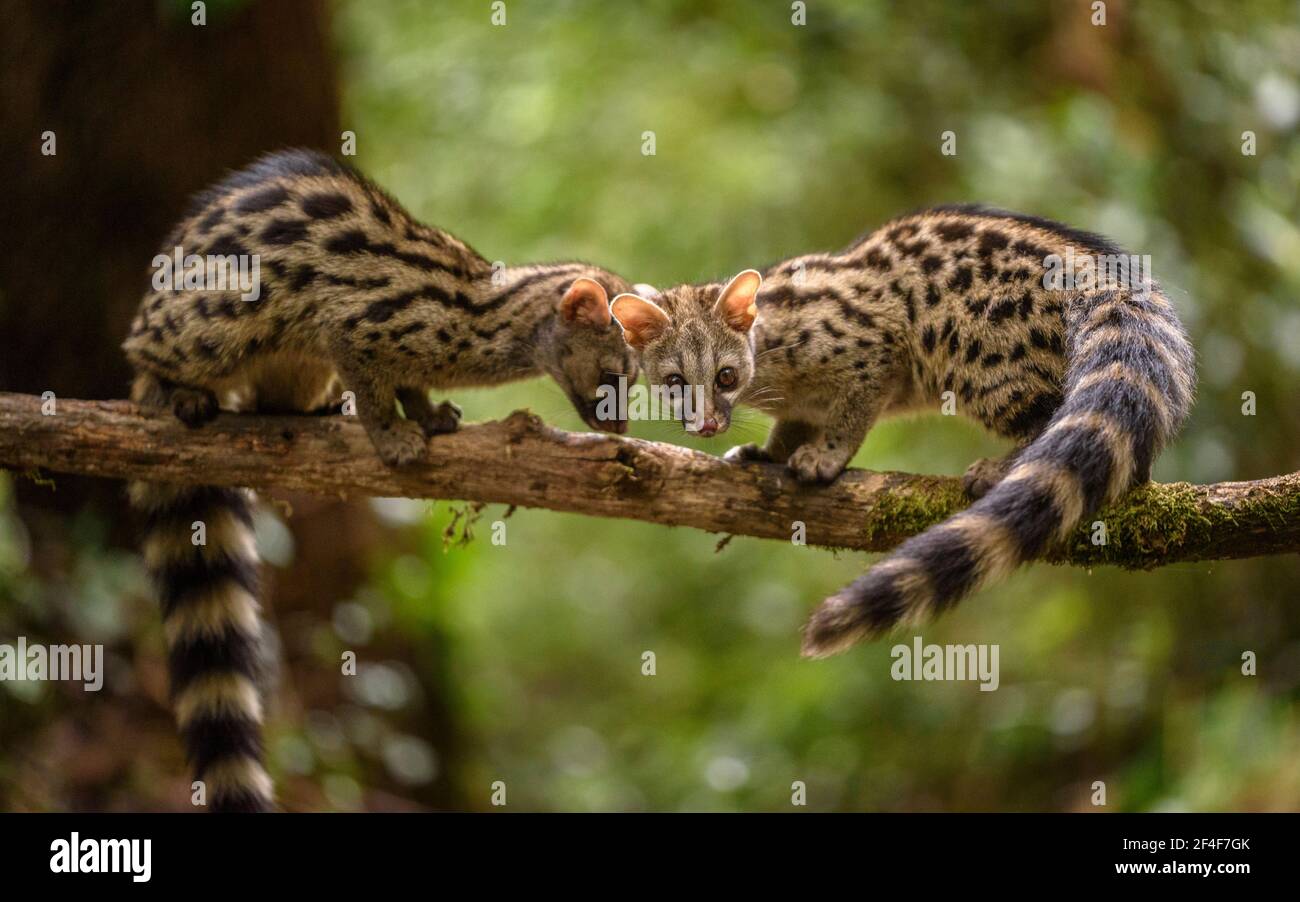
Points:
[585,302]
[642,321]
[736,303]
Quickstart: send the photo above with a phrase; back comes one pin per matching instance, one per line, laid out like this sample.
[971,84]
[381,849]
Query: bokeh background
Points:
[523,663]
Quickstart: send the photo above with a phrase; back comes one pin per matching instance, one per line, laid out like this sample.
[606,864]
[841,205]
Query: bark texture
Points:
[522,461]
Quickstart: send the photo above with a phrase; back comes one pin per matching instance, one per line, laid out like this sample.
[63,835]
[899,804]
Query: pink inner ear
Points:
[742,311]
[642,322]
[738,301]
[585,302]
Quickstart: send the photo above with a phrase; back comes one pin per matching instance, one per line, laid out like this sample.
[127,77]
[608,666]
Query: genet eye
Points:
[675,381]
[726,377]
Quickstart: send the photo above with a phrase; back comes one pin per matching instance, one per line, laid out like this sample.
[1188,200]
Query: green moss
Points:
[898,515]
[1140,529]
[1160,522]
[1153,525]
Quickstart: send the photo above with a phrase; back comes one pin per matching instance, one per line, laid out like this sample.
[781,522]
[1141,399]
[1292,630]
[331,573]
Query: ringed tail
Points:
[208,594]
[1128,387]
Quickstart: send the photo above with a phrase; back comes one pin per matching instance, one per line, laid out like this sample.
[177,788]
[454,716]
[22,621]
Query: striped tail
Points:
[1128,388]
[208,593]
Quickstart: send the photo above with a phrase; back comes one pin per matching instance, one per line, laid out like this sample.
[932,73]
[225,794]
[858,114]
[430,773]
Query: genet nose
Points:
[709,427]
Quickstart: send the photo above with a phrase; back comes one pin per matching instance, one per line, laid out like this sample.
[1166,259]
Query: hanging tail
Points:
[1128,388]
[198,547]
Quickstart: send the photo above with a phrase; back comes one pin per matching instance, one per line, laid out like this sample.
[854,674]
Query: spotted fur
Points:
[355,296]
[1089,384]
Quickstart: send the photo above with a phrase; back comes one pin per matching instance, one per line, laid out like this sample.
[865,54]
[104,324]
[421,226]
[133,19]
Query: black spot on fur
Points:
[262,199]
[879,261]
[992,240]
[384,309]
[928,338]
[1030,249]
[861,317]
[368,283]
[285,231]
[406,330]
[211,220]
[953,231]
[914,249]
[303,276]
[961,279]
[226,246]
[1003,311]
[352,241]
[901,231]
[326,205]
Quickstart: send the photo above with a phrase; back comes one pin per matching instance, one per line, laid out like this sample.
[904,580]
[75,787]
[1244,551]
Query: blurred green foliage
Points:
[773,139]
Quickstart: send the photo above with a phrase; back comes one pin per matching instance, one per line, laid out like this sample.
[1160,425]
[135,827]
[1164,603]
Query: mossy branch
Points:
[522,461]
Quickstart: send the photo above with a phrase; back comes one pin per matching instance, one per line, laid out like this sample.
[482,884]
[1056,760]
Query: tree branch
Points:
[522,461]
